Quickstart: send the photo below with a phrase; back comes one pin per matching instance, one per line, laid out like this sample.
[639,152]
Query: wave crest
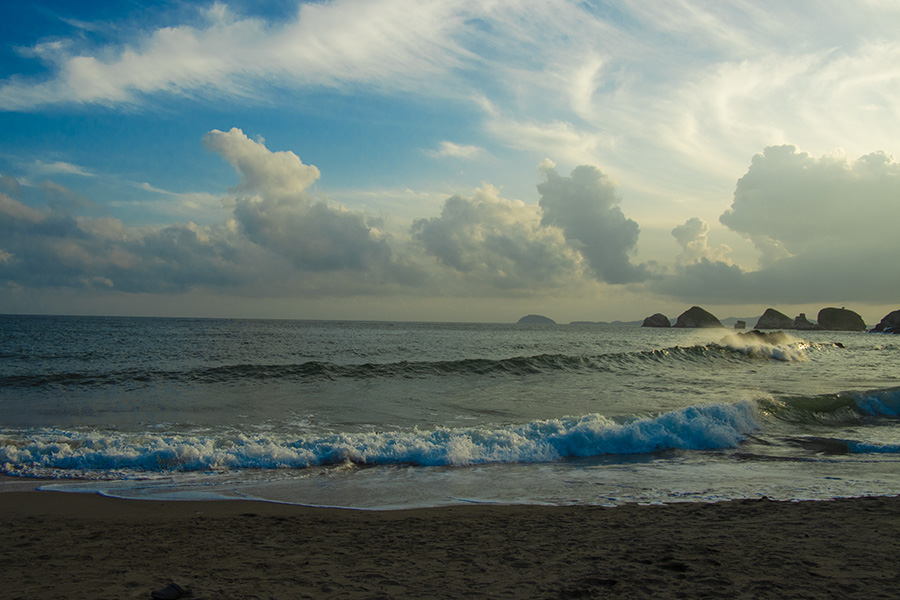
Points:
[67,454]
[843,407]
[728,350]
[773,344]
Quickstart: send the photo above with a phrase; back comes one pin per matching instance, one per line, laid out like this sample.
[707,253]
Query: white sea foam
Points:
[59,453]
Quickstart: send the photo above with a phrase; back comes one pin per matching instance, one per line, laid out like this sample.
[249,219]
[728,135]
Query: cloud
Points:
[501,242]
[59,168]
[276,211]
[49,247]
[561,138]
[280,176]
[799,204]
[10,184]
[825,229]
[575,228]
[60,196]
[451,150]
[672,96]
[692,237]
[179,59]
[13,210]
[199,207]
[584,206]
[278,237]
[274,208]
[348,42]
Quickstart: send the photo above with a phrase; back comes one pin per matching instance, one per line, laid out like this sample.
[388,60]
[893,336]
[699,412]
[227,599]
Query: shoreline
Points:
[61,544]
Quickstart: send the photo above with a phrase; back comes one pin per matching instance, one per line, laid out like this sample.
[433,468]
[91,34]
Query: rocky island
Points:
[802,323]
[657,320]
[889,324]
[536,320]
[697,317]
[840,319]
[772,319]
[832,319]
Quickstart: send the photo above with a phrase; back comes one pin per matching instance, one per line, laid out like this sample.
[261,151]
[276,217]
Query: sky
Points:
[449,160]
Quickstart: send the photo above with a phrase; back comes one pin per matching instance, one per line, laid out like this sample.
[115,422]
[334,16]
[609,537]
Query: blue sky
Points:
[454,160]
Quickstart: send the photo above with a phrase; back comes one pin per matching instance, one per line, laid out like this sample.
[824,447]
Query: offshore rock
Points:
[657,320]
[801,322]
[772,319]
[840,319]
[740,324]
[889,324]
[536,320]
[697,317]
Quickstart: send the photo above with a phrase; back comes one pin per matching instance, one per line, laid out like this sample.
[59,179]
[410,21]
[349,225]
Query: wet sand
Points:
[61,545]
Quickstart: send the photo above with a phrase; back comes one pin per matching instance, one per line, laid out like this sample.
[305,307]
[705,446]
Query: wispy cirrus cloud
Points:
[381,43]
[701,83]
[40,167]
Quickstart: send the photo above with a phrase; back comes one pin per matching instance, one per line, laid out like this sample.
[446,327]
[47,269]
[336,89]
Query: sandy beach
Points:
[61,545]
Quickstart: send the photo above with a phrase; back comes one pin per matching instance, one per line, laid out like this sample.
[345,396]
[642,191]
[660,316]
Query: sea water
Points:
[391,415]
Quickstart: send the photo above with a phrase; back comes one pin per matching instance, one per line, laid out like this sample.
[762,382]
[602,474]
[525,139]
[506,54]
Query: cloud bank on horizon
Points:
[433,116]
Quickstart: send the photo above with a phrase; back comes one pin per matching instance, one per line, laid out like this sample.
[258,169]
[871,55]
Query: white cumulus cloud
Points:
[490,239]
[825,229]
[694,241]
[584,206]
[276,210]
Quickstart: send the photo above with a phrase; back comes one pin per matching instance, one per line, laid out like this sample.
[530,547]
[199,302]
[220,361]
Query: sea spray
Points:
[775,344]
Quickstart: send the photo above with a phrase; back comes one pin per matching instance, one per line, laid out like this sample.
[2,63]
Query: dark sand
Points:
[58,545]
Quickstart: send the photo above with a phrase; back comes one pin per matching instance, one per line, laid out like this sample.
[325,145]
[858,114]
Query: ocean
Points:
[378,415]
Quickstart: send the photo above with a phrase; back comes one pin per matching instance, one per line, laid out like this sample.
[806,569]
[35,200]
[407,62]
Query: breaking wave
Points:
[843,407]
[58,454]
[96,454]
